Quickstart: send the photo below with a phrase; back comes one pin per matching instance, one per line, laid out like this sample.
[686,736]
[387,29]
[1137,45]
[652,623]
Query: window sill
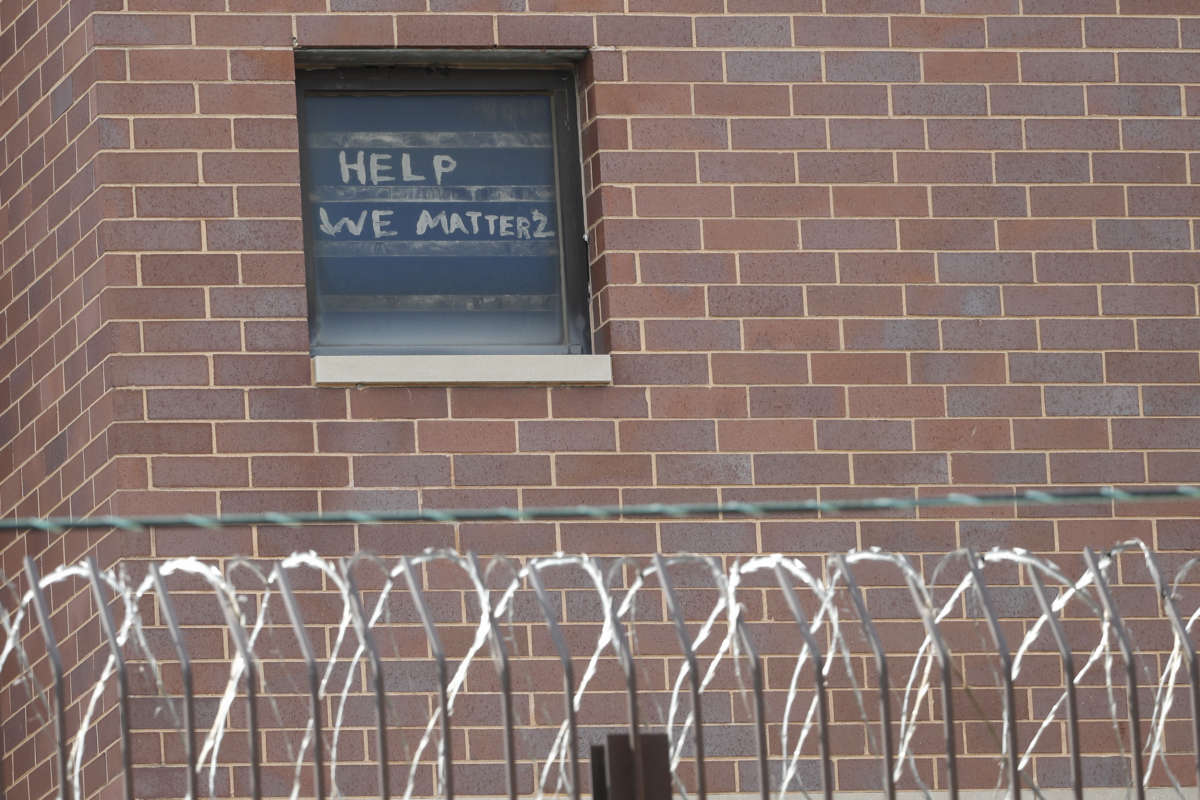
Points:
[445,370]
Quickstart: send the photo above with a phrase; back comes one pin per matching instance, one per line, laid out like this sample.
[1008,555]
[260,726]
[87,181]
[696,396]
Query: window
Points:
[442,213]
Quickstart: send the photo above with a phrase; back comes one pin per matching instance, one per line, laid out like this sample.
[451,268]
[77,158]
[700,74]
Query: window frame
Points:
[422,71]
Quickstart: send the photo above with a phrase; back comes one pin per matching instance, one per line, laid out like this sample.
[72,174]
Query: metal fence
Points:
[823,617]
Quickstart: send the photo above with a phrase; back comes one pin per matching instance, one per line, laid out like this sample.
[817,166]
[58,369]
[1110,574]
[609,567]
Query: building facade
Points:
[834,249]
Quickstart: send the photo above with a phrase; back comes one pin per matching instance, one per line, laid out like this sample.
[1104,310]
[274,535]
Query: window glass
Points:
[435,216]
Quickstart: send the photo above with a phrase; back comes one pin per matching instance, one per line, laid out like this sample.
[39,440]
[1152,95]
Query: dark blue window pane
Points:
[433,222]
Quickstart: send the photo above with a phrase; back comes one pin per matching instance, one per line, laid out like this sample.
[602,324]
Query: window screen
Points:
[442,211]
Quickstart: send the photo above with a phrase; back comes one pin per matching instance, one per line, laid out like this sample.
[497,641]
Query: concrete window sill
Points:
[457,370]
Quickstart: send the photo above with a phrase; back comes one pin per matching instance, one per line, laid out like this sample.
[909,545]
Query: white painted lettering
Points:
[457,224]
[474,217]
[378,168]
[540,232]
[333,228]
[523,227]
[406,169]
[356,166]
[427,221]
[379,221]
[506,225]
[442,164]
[491,221]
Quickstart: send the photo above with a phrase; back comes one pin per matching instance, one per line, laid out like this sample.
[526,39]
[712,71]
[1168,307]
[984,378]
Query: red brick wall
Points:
[841,248]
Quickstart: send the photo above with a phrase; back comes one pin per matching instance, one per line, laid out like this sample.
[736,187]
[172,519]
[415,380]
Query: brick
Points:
[1042,168]
[306,403]
[1072,134]
[1156,434]
[1097,467]
[880,134]
[247,99]
[444,30]
[871,66]
[1003,468]
[978,201]
[1160,134]
[880,202]
[179,336]
[1057,301]
[406,471]
[847,31]
[646,234]
[1166,267]
[864,435]
[844,167]
[1147,367]
[252,30]
[261,65]
[673,201]
[961,434]
[746,167]
[985,267]
[789,334]
[759,435]
[658,435]
[729,100]
[1169,401]
[1133,100]
[886,267]
[767,133]
[138,370]
[946,234]
[1099,401]
[1066,334]
[1070,68]
[756,301]
[890,334]
[633,98]
[937,32]
[289,471]
[603,470]
[958,368]
[952,301]
[666,368]
[266,134]
[674,65]
[166,132]
[262,370]
[800,469]
[142,29]
[855,301]
[970,67]
[184,201]
[833,100]
[703,470]
[646,167]
[660,134]
[146,167]
[1044,234]
[974,134]
[1172,467]
[1149,67]
[1130,32]
[939,100]
[538,29]
[859,368]
[1148,301]
[159,437]
[1169,334]
[441,436]
[943,168]
[900,469]
[755,66]
[643,31]
[734,31]
[1037,100]
[605,402]
[797,401]
[178,65]
[853,234]
[1034,32]
[1142,234]
[778,201]
[1055,368]
[250,167]
[1139,168]
[195,404]
[697,403]
[1083,267]
[1076,201]
[703,334]
[896,401]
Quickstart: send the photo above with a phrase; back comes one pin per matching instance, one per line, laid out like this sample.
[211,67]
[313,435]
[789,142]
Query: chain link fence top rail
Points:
[433,674]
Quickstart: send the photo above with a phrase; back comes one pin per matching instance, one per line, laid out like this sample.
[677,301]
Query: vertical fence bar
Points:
[689,655]
[1135,721]
[885,711]
[185,671]
[760,709]
[1064,651]
[110,633]
[439,657]
[945,666]
[242,645]
[56,667]
[314,679]
[368,641]
[1010,697]
[627,667]
[500,659]
[564,655]
[793,604]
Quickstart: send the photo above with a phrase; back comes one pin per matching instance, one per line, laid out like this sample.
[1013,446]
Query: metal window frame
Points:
[500,72]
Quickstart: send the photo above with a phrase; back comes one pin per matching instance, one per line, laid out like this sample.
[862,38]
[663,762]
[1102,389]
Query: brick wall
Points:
[839,249]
